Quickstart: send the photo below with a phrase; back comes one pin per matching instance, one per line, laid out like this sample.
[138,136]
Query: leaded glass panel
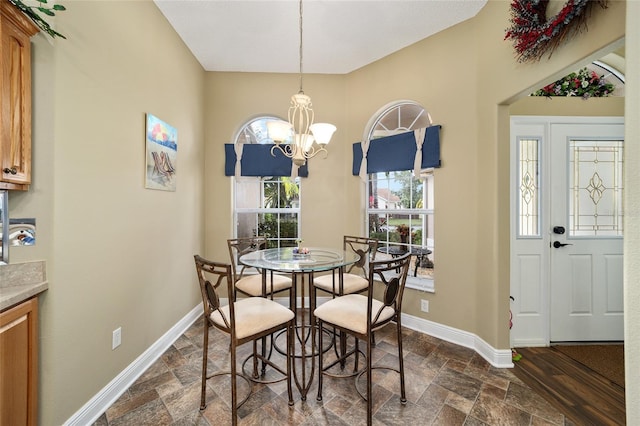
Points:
[528,187]
[595,188]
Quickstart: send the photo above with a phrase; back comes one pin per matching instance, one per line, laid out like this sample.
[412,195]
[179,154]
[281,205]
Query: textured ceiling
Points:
[338,36]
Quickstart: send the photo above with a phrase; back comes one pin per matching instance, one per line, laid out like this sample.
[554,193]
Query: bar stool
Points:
[360,315]
[245,320]
[349,280]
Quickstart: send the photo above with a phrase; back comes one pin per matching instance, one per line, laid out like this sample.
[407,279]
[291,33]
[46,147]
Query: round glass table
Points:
[287,260]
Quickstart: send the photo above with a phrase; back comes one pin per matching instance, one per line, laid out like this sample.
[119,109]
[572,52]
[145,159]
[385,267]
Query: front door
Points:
[566,229]
[586,212]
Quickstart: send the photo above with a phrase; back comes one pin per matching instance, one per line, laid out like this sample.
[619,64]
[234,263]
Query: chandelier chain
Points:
[300,49]
[300,138]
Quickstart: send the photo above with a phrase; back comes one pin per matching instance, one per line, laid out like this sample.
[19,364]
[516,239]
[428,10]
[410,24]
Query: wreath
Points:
[533,34]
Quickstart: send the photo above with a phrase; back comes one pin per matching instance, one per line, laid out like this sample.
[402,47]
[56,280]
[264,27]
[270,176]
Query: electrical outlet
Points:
[424,305]
[116,338]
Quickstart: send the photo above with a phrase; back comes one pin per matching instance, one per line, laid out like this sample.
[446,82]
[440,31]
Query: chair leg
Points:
[369,384]
[403,396]
[205,354]
[290,353]
[255,359]
[343,348]
[319,397]
[234,390]
[357,355]
[264,355]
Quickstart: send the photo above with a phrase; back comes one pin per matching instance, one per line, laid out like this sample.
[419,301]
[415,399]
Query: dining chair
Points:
[347,280]
[360,315]
[248,280]
[353,278]
[245,320]
[254,282]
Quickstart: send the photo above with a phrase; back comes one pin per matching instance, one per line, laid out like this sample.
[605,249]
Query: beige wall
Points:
[231,98]
[632,214]
[462,76]
[120,255]
[500,80]
[439,73]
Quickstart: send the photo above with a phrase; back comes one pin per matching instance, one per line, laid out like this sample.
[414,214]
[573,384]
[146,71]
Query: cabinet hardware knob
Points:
[12,170]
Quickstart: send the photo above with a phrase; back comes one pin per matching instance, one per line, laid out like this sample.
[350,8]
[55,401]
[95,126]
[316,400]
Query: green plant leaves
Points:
[32,12]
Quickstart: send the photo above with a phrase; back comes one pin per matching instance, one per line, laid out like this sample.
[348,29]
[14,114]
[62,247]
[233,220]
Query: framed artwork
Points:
[161,154]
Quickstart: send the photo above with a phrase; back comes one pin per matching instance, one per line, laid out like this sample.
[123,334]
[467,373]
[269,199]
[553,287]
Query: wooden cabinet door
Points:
[15,97]
[19,364]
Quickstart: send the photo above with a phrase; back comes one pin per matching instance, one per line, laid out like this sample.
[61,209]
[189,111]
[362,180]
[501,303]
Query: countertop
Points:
[21,281]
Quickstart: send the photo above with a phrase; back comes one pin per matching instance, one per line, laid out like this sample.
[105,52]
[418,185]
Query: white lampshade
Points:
[322,132]
[304,141]
[279,131]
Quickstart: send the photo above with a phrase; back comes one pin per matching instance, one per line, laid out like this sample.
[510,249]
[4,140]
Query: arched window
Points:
[400,206]
[265,206]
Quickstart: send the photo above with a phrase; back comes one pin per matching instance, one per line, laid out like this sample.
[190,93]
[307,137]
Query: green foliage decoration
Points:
[584,83]
[42,8]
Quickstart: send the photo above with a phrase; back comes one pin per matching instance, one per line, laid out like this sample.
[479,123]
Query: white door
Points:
[586,211]
[566,186]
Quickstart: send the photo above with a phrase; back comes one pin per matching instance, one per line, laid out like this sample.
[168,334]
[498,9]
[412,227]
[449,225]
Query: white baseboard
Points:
[529,343]
[500,358]
[92,410]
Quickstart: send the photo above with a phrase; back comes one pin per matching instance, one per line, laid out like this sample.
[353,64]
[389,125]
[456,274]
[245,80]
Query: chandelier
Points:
[300,138]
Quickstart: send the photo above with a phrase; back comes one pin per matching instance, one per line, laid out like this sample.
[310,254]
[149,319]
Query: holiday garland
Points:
[533,34]
[583,83]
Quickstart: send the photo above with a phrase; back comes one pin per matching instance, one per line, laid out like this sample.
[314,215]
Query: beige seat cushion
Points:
[252,284]
[351,283]
[350,312]
[254,315]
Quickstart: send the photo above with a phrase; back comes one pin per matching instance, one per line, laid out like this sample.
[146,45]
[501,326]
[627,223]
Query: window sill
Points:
[420,284]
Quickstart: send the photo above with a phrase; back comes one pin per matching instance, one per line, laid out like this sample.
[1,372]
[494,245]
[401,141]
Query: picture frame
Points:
[161,154]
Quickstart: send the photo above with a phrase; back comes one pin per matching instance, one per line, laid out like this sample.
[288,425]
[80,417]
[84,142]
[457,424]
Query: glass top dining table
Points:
[287,260]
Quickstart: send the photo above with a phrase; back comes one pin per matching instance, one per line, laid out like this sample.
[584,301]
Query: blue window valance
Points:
[257,161]
[397,152]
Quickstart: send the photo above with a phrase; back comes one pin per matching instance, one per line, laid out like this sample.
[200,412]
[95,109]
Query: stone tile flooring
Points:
[446,384]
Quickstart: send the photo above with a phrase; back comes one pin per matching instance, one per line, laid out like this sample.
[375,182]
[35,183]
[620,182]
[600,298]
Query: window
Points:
[400,206]
[528,188]
[265,206]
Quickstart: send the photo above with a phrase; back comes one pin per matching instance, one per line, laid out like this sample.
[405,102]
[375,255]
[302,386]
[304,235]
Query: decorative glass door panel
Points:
[596,188]
[528,187]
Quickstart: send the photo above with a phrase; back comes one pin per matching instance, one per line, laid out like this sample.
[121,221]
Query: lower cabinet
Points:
[19,364]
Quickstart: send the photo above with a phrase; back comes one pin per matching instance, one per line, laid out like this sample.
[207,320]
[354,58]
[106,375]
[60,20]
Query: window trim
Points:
[420,284]
[259,180]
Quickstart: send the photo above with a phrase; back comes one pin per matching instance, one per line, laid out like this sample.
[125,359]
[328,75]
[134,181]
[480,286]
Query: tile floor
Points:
[446,384]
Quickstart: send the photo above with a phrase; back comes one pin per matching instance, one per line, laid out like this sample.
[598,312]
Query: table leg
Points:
[343,335]
[303,376]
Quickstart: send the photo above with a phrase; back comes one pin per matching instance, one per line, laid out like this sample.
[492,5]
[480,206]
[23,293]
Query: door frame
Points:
[530,257]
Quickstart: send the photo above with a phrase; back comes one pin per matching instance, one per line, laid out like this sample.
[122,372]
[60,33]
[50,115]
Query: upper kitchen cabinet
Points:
[16,31]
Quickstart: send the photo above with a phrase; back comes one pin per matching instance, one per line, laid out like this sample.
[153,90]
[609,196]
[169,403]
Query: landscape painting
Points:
[161,154]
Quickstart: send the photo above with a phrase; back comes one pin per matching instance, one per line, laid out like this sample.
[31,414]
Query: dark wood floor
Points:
[583,395]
